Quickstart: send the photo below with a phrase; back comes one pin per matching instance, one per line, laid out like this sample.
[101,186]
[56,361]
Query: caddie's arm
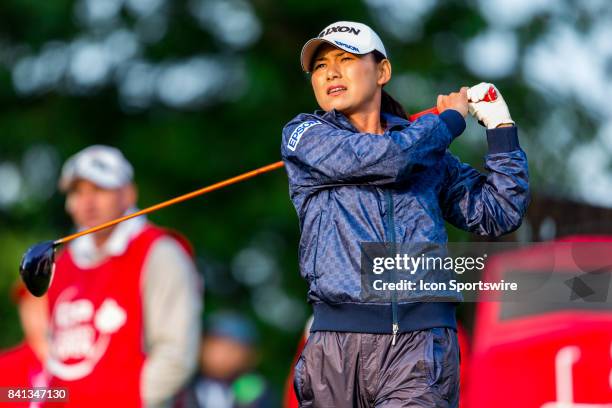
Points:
[172,304]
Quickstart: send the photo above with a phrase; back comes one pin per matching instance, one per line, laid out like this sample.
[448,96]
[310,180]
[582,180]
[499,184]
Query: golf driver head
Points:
[36,267]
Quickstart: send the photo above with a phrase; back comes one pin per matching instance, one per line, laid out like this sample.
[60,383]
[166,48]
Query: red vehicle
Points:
[537,353]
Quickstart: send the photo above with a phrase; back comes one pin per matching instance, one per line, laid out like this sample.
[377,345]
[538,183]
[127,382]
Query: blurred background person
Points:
[125,302]
[228,359]
[22,365]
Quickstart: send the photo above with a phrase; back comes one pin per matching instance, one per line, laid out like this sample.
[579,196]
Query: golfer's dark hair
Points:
[388,103]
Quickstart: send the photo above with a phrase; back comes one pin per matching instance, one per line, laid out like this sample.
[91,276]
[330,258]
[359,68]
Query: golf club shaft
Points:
[173,201]
[197,193]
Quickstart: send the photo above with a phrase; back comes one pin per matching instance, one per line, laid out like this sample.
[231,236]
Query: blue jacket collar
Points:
[339,119]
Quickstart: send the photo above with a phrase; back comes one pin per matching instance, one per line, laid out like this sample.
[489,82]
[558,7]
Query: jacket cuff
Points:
[503,139]
[453,121]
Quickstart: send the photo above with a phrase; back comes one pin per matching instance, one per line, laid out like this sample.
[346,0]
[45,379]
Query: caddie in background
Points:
[21,366]
[125,303]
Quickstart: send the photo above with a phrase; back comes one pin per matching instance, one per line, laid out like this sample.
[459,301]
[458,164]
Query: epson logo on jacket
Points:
[294,139]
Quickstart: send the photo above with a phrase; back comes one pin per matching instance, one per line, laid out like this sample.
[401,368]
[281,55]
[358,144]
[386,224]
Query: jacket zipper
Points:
[391,226]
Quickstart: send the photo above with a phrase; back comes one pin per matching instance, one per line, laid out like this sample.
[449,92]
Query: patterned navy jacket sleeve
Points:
[493,204]
[318,153]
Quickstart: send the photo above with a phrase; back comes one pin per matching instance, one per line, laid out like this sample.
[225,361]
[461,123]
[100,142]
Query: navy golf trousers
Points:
[346,370]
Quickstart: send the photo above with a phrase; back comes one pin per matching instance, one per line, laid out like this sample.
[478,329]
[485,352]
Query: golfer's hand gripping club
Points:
[490,112]
[490,95]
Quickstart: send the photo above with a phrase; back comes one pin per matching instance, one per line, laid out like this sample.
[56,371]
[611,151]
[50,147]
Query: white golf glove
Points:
[490,114]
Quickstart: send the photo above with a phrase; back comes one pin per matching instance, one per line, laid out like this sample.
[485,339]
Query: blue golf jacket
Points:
[350,187]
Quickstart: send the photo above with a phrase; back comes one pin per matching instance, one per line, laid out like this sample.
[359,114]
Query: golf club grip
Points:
[490,96]
[417,115]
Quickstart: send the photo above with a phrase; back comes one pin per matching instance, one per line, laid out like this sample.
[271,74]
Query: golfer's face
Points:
[343,81]
[90,205]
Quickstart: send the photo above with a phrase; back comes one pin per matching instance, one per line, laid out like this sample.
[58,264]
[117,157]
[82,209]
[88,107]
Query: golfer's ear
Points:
[384,72]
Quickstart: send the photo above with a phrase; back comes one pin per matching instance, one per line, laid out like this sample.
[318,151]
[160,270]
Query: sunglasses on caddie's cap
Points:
[356,38]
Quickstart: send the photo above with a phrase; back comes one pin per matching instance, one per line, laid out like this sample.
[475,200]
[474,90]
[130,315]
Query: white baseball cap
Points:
[104,166]
[356,38]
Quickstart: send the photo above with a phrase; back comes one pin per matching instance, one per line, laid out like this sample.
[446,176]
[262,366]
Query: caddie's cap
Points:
[104,166]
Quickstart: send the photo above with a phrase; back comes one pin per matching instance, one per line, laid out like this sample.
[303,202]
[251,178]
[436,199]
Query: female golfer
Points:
[359,171]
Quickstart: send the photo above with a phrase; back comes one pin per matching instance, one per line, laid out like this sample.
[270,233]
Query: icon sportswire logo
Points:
[295,137]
